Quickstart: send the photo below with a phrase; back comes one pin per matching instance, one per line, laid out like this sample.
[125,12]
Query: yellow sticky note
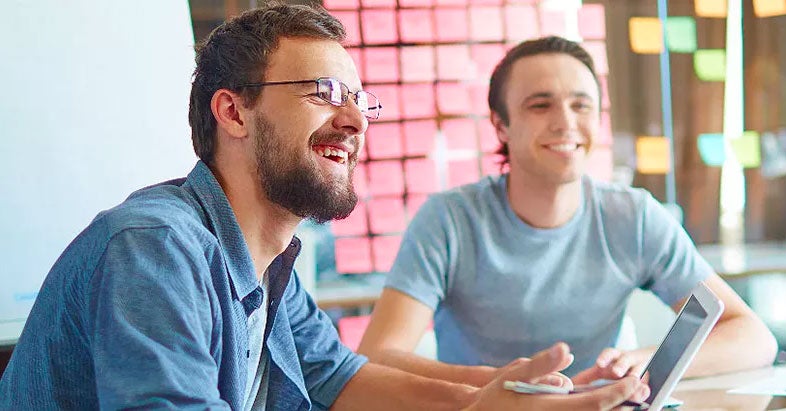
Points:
[768,8]
[653,155]
[747,149]
[710,8]
[646,35]
[710,64]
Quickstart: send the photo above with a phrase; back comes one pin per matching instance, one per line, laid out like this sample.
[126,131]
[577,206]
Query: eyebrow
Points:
[577,94]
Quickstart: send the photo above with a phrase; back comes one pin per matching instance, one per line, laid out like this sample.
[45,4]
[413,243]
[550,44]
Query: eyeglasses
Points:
[336,93]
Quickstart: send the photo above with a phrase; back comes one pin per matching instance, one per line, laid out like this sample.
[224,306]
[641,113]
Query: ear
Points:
[230,115]
[500,128]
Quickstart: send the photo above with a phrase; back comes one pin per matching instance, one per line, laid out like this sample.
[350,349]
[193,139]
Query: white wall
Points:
[93,105]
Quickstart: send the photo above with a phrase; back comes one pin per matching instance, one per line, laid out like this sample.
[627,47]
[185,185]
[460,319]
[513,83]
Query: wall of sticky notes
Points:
[693,41]
[429,62]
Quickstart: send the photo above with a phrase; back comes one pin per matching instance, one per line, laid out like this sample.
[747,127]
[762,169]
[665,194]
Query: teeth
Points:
[563,147]
[333,152]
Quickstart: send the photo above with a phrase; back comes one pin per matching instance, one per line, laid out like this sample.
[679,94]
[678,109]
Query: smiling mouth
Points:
[564,147]
[332,153]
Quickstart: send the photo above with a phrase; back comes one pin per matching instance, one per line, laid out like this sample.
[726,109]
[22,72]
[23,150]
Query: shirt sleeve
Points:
[672,265]
[424,260]
[152,323]
[327,364]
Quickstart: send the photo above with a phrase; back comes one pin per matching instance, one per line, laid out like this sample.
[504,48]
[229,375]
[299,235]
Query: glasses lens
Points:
[331,91]
[368,104]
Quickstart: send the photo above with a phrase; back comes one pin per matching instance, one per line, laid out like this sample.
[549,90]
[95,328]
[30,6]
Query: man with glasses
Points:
[183,296]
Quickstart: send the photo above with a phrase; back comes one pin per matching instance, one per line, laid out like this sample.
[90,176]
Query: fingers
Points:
[556,358]
[611,396]
[555,379]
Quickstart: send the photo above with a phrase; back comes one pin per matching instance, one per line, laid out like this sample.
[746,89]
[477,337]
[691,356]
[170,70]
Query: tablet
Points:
[694,322]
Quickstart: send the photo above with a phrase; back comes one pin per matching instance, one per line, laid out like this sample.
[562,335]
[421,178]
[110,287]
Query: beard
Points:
[296,183]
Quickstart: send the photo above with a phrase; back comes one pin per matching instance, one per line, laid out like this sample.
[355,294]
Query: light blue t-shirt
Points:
[502,289]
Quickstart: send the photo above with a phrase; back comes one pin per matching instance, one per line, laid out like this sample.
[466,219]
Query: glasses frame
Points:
[371,113]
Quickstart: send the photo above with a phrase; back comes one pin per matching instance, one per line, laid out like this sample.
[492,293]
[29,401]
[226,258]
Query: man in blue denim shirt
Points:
[183,295]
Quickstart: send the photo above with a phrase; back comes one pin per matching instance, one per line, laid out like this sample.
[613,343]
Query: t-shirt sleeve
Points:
[672,265]
[425,259]
[152,323]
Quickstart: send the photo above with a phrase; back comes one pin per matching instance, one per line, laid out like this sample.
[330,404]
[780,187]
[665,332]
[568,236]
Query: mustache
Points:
[334,139]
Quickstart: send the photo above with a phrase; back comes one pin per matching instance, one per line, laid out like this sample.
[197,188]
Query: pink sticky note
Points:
[353,255]
[462,172]
[335,5]
[453,98]
[416,25]
[451,24]
[351,330]
[490,165]
[486,57]
[384,141]
[417,63]
[485,23]
[360,180]
[488,136]
[600,163]
[605,101]
[419,137]
[388,96]
[420,101]
[421,175]
[379,27]
[453,63]
[414,201]
[389,4]
[460,134]
[385,178]
[521,22]
[385,249]
[552,22]
[355,224]
[351,25]
[451,2]
[478,94]
[597,49]
[592,22]
[381,64]
[604,133]
[386,215]
[414,3]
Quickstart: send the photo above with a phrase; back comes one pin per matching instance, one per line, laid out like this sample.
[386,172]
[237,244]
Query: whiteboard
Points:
[94,105]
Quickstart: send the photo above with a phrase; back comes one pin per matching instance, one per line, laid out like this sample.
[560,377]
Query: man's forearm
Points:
[737,344]
[477,376]
[383,388]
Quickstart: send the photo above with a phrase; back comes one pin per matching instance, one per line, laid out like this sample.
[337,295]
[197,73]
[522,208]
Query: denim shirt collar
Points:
[223,223]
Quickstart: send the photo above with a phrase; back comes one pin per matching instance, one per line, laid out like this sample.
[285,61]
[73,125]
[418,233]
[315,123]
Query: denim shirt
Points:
[147,308]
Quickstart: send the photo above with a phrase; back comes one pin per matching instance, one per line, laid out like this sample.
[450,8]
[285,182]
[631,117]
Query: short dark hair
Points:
[501,73]
[237,52]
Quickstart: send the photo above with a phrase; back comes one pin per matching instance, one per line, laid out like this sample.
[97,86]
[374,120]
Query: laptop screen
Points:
[680,335]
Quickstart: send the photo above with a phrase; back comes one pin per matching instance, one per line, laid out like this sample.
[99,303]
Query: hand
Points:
[494,397]
[555,378]
[613,364]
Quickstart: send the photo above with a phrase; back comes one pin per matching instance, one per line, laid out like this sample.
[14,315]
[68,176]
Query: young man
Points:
[183,295]
[510,264]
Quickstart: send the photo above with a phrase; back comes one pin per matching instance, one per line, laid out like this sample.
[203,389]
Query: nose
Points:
[350,120]
[563,118]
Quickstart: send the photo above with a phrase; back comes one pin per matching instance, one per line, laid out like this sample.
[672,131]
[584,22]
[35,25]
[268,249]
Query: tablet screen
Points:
[680,335]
